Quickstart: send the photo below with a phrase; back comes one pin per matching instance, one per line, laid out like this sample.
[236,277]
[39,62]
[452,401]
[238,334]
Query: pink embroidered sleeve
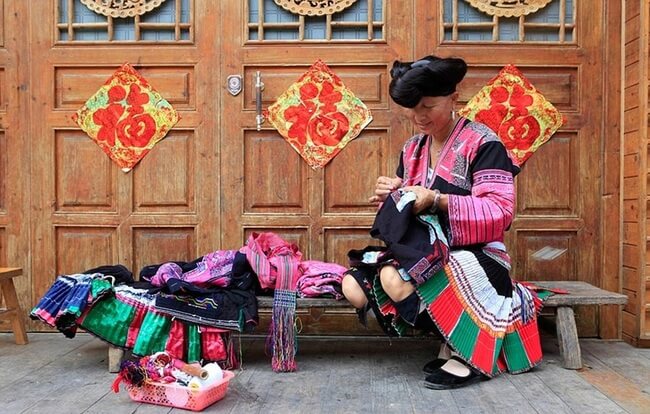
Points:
[486,214]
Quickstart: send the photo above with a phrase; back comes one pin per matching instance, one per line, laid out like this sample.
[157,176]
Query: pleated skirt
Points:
[128,320]
[487,318]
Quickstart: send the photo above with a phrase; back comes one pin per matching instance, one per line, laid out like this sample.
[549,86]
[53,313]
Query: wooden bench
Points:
[12,312]
[579,293]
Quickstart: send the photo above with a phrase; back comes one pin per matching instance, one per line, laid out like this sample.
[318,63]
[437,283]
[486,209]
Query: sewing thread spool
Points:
[214,375]
[194,370]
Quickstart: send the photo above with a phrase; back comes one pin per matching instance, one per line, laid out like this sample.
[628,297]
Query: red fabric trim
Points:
[175,345]
[485,343]
[529,335]
[134,328]
[446,310]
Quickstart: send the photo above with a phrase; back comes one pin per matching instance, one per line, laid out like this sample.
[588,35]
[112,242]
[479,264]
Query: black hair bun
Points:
[429,76]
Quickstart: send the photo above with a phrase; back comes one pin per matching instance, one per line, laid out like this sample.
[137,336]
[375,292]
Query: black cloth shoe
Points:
[431,366]
[443,380]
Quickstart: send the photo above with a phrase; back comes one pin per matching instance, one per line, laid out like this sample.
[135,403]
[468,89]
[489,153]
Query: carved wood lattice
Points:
[364,24]
[122,8]
[508,8]
[548,21]
[79,22]
[314,7]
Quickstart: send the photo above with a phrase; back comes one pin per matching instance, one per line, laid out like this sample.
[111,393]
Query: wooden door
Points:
[14,148]
[266,185]
[215,178]
[86,211]
[561,49]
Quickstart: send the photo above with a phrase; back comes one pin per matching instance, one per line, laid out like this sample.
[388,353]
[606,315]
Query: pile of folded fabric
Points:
[191,309]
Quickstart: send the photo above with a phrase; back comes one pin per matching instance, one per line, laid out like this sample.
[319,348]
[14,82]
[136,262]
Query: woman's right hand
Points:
[383,187]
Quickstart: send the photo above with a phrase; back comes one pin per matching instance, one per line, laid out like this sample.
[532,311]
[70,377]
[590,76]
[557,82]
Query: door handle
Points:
[259,87]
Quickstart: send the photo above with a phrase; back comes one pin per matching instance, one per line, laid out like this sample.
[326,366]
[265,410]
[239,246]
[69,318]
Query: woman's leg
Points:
[395,287]
[353,292]
[444,352]
[398,290]
[402,294]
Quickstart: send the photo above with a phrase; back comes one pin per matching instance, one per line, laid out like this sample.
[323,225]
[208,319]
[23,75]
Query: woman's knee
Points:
[353,292]
[393,284]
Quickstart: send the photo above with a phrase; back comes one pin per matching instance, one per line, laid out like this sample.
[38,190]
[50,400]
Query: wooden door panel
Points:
[82,248]
[368,82]
[160,243]
[338,242]
[165,180]
[558,84]
[75,84]
[86,180]
[549,185]
[267,158]
[349,179]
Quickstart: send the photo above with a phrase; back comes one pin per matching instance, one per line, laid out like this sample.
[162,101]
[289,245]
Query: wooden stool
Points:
[13,312]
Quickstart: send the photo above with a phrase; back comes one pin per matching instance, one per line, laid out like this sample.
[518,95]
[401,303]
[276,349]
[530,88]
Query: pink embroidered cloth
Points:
[319,279]
[214,270]
[276,263]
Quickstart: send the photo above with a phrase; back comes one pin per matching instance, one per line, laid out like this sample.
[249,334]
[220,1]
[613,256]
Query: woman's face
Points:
[432,115]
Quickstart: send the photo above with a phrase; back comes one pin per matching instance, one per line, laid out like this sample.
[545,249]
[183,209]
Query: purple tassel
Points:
[282,333]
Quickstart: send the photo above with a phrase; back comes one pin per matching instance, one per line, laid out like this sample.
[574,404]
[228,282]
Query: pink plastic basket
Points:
[174,395]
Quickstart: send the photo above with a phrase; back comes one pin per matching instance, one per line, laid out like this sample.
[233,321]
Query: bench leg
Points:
[13,311]
[115,356]
[567,336]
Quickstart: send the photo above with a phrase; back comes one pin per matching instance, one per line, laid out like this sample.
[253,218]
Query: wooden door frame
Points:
[611,219]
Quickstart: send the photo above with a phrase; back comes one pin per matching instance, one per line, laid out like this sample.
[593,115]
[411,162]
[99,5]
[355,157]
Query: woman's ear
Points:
[454,98]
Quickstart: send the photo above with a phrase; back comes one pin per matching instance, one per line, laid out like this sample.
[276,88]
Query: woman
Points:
[454,175]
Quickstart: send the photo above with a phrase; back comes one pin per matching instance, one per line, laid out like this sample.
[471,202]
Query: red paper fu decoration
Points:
[318,115]
[520,115]
[126,117]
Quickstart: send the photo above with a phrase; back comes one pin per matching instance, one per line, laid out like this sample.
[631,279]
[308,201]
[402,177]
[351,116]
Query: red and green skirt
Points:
[129,321]
[488,319]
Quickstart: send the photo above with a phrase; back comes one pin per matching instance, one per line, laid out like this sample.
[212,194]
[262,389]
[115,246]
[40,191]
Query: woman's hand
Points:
[383,187]
[424,197]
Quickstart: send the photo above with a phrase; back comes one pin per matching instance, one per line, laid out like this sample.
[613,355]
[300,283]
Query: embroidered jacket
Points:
[476,172]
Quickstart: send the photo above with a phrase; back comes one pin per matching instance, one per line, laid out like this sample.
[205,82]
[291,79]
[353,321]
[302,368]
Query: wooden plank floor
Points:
[53,374]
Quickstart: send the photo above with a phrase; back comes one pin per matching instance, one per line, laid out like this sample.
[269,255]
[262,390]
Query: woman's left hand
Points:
[423,197]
